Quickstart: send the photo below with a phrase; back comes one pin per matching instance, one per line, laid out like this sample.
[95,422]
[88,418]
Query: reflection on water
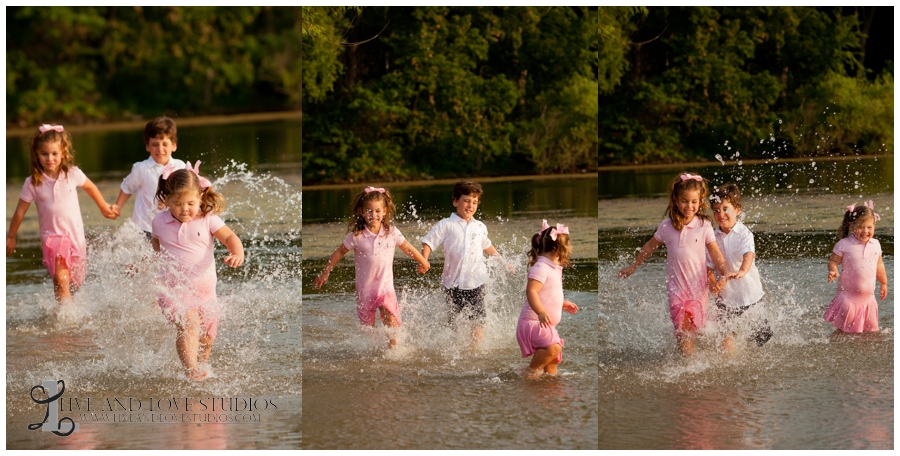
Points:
[436,390]
[115,343]
[807,388]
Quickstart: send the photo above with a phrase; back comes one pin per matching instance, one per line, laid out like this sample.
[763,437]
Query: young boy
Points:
[465,272]
[160,139]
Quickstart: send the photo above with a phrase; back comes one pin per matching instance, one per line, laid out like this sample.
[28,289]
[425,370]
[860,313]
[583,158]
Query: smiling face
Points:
[161,148]
[863,229]
[725,214]
[466,206]
[688,203]
[184,206]
[50,155]
[373,212]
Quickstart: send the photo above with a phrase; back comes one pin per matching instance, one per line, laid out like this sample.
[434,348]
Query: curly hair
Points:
[357,221]
[183,181]
[65,146]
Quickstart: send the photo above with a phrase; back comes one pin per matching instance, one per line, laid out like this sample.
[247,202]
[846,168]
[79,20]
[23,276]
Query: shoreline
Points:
[755,161]
[420,182]
[182,122]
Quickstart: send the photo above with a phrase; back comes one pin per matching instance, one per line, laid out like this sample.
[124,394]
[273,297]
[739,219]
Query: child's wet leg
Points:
[728,343]
[187,343]
[390,321]
[62,282]
[542,359]
[477,333]
[685,336]
[205,349]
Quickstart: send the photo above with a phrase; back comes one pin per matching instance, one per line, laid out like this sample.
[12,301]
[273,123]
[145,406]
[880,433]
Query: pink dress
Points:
[854,308]
[374,259]
[529,333]
[190,276]
[59,221]
[686,280]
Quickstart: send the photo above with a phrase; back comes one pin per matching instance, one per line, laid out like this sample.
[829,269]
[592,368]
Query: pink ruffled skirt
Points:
[693,309]
[531,337]
[853,315]
[61,246]
[367,308]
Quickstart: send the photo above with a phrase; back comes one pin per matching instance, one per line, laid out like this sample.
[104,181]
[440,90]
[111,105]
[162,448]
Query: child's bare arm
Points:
[233,244]
[881,275]
[14,225]
[746,264]
[646,251]
[532,290]
[154,242]
[335,258]
[833,261]
[411,251]
[95,195]
[120,202]
[426,251]
[719,261]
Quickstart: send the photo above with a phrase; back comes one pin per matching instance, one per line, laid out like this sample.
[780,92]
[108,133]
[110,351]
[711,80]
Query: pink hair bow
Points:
[374,189]
[204,182]
[167,171]
[688,176]
[554,231]
[47,127]
[871,207]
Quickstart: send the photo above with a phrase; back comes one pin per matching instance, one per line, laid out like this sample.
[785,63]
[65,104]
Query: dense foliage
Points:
[83,64]
[392,92]
[679,83]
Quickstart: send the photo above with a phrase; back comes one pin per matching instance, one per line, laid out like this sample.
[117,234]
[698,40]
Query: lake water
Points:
[435,390]
[807,388]
[114,344]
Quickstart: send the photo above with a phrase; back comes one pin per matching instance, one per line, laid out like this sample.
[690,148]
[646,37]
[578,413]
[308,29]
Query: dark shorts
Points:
[760,332]
[468,303]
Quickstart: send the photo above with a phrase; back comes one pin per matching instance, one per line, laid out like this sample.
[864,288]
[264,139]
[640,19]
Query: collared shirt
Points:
[464,244]
[56,201]
[142,183]
[686,259]
[859,265]
[373,256]
[748,289]
[549,273]
[190,243]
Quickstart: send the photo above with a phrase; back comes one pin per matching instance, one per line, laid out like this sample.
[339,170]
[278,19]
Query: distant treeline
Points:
[681,83]
[86,64]
[406,93]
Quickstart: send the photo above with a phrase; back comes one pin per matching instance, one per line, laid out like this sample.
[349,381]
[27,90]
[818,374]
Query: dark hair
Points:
[65,146]
[358,221]
[184,181]
[542,243]
[729,192]
[853,217]
[161,126]
[679,185]
[467,188]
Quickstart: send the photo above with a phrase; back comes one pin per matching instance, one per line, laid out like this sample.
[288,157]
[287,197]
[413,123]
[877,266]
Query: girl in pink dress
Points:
[688,235]
[184,236]
[854,308]
[373,237]
[544,303]
[51,187]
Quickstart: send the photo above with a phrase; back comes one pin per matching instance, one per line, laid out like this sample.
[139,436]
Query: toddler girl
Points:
[373,236]
[184,234]
[688,235]
[744,287]
[854,308]
[51,186]
[544,303]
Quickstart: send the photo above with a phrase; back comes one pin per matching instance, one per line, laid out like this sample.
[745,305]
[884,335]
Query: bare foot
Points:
[392,343]
[533,374]
[196,374]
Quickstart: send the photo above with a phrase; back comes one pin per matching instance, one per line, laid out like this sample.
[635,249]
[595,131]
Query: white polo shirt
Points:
[464,244]
[748,289]
[141,183]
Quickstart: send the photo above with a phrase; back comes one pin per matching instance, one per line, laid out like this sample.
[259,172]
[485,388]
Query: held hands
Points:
[624,273]
[235,259]
[114,208]
[422,268]
[110,211]
[737,275]
[570,307]
[544,318]
[720,284]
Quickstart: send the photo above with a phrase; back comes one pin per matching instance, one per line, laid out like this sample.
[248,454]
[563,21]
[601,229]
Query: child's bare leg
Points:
[205,349]
[543,359]
[685,336]
[728,344]
[62,281]
[187,343]
[389,321]
[477,334]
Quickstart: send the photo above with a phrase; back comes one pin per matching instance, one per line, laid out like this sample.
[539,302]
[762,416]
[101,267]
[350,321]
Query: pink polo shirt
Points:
[686,278]
[57,206]
[190,243]
[550,275]
[374,258]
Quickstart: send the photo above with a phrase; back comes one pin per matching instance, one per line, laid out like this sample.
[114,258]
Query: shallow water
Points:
[436,390]
[114,342]
[807,388]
